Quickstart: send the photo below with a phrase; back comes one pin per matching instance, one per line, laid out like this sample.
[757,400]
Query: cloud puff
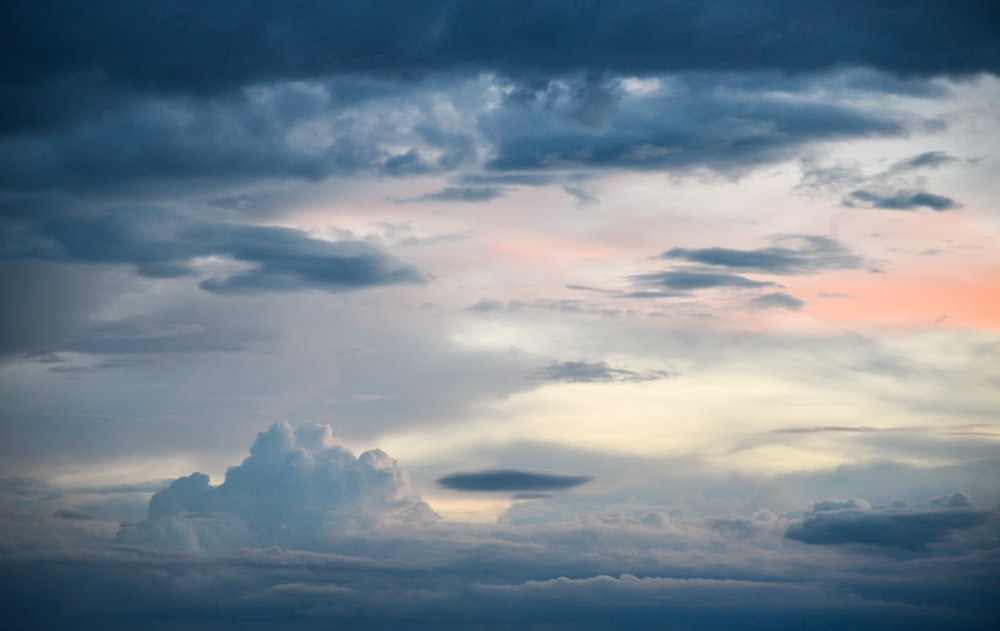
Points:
[596,372]
[854,521]
[791,254]
[511,480]
[294,484]
[166,245]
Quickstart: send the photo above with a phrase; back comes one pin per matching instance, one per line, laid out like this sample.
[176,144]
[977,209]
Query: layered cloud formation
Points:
[357,547]
[627,286]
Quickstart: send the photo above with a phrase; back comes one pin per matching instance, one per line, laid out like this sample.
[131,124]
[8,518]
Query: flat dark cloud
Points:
[596,372]
[690,280]
[902,200]
[792,254]
[470,194]
[164,245]
[905,528]
[510,480]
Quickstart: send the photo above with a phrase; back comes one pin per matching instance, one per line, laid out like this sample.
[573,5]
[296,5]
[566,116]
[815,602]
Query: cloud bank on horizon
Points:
[629,289]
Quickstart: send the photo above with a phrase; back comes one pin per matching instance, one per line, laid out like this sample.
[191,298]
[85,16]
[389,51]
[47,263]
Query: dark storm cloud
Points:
[596,372]
[688,280]
[510,480]
[901,200]
[162,245]
[803,254]
[196,48]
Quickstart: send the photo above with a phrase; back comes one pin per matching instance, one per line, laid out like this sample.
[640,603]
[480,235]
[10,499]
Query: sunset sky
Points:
[581,315]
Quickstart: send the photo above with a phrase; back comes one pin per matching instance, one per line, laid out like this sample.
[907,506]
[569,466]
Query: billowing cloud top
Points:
[294,484]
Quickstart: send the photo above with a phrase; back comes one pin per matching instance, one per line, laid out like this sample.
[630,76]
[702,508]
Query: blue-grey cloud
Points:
[507,480]
[896,188]
[679,125]
[470,194]
[596,372]
[905,528]
[903,200]
[776,300]
[792,254]
[926,160]
[162,245]
[689,280]
[82,56]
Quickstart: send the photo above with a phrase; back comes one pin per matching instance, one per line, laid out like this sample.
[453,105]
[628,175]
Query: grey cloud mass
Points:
[120,46]
[511,480]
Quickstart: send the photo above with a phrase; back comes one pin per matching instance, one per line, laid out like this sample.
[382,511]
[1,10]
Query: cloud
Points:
[926,160]
[689,280]
[896,188]
[470,194]
[577,570]
[901,200]
[510,480]
[679,125]
[792,254]
[596,372]
[855,522]
[164,245]
[94,52]
[776,300]
[294,484]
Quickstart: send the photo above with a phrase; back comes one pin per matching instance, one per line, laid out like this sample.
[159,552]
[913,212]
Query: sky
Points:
[540,314]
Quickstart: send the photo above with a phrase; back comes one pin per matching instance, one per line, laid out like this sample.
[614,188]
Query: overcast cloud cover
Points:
[544,314]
